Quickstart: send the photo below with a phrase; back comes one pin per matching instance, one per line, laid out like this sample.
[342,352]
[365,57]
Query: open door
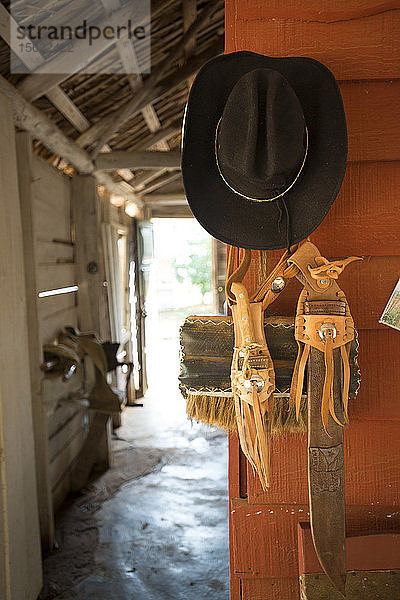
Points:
[142,251]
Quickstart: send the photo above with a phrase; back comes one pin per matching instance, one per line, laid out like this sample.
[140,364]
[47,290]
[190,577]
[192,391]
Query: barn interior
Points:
[86,424]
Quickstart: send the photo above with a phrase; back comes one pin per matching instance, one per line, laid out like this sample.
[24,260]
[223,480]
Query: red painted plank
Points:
[363,553]
[355,48]
[270,589]
[234,472]
[372,465]
[265,535]
[373,127]
[365,217]
[316,10]
[379,361]
[235,591]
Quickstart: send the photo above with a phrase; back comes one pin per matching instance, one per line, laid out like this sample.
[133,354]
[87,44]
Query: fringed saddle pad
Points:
[206,357]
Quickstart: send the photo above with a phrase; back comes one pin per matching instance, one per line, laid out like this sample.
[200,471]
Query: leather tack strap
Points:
[323,321]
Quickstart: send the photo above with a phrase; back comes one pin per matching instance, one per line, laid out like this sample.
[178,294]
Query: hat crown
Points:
[261,135]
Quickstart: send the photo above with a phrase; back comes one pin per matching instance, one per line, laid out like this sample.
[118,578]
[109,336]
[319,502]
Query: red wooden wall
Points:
[359,41]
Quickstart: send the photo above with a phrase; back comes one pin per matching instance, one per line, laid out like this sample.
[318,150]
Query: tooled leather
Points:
[307,330]
[250,338]
[303,257]
[308,325]
[251,403]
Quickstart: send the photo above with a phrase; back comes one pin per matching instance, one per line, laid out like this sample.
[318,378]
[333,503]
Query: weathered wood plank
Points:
[111,161]
[59,417]
[53,308]
[48,252]
[51,325]
[59,440]
[25,177]
[20,556]
[62,461]
[51,277]
[85,211]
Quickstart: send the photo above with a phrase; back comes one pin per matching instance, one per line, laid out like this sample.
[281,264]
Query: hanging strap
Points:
[252,372]
[318,327]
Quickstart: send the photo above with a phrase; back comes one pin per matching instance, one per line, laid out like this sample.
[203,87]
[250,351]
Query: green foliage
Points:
[197,266]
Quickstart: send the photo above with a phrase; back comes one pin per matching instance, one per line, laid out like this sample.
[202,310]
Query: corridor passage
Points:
[154,527]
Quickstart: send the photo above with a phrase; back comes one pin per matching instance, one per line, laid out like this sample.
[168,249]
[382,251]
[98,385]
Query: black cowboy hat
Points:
[264,148]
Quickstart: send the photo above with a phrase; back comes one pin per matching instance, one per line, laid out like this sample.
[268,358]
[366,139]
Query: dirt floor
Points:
[154,527]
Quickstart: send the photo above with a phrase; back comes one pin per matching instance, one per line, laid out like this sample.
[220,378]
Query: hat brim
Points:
[228,216]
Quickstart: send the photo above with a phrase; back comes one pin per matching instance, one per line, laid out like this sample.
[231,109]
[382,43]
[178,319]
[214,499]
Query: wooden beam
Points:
[45,502]
[163,180]
[20,556]
[160,135]
[129,60]
[29,118]
[139,182]
[178,199]
[148,94]
[78,57]
[138,160]
[130,107]
[89,272]
[33,60]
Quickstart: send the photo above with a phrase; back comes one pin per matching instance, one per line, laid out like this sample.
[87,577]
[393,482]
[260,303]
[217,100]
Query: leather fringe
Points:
[327,407]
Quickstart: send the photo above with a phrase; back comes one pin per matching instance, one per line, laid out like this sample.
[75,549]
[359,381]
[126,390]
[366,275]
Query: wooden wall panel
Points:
[358,41]
[373,127]
[379,361]
[270,589]
[365,217]
[265,535]
[353,48]
[315,10]
[54,276]
[51,192]
[366,443]
[20,558]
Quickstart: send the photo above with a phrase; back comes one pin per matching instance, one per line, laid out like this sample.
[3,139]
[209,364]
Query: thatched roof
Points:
[95,110]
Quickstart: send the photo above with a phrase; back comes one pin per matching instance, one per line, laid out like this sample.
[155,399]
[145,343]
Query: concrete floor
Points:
[155,527]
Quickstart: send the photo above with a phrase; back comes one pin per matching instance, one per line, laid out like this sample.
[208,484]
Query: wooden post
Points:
[20,557]
[218,250]
[85,213]
[46,515]
[91,297]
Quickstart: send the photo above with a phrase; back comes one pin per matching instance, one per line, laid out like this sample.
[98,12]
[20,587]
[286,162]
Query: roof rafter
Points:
[28,117]
[150,93]
[151,83]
